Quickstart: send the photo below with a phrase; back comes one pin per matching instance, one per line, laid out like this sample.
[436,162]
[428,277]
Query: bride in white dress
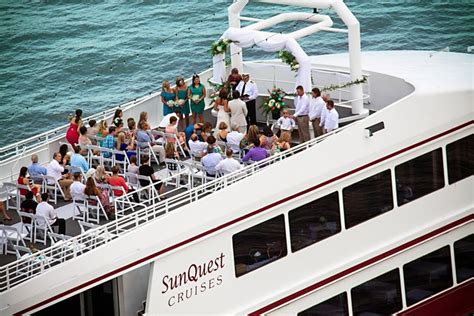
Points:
[221,105]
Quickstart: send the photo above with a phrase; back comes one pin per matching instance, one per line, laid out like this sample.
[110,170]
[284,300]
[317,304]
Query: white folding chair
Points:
[94,209]
[41,227]
[79,209]
[10,193]
[11,237]
[175,168]
[26,227]
[94,155]
[51,185]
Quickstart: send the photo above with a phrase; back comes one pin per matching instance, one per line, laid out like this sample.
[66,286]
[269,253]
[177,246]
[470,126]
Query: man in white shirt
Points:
[210,161]
[331,121]
[55,170]
[238,112]
[49,214]
[248,93]
[229,164]
[301,114]
[234,138]
[198,148]
[324,111]
[77,187]
[316,105]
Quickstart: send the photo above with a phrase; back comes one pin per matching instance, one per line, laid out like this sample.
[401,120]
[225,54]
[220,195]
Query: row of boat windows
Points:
[366,199]
[423,277]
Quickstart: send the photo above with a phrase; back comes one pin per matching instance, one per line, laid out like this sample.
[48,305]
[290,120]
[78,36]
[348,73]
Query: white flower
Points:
[271,102]
[170,103]
[195,97]
[297,66]
[219,49]
[180,102]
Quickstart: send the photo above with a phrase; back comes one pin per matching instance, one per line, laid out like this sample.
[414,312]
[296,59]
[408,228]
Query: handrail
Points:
[31,266]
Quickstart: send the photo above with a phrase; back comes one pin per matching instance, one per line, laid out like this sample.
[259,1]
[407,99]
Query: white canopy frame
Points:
[253,33]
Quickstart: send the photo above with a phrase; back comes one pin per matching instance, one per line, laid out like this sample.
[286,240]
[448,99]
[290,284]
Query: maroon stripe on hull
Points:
[241,218]
[457,301]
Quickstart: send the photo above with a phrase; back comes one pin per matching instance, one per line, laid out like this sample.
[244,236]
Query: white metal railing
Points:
[33,265]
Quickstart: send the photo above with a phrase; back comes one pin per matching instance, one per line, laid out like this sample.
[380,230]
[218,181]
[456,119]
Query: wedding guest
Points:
[234,139]
[102,131]
[171,152]
[196,146]
[91,189]
[234,78]
[55,170]
[132,128]
[143,118]
[172,129]
[123,145]
[100,175]
[35,169]
[133,168]
[331,121]
[77,187]
[92,130]
[251,137]
[238,112]
[197,93]
[212,142]
[248,93]
[324,110]
[25,180]
[267,139]
[65,154]
[117,119]
[316,105]
[283,143]
[229,164]
[28,206]
[118,181]
[109,141]
[78,160]
[146,170]
[144,138]
[48,212]
[83,139]
[168,98]
[221,105]
[301,114]
[256,153]
[222,133]
[286,123]
[181,91]
[210,161]
[72,134]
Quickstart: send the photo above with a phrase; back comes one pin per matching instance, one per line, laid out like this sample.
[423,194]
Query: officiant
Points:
[248,93]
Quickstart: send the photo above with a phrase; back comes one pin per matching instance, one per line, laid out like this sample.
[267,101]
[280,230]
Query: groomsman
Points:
[248,93]
[301,114]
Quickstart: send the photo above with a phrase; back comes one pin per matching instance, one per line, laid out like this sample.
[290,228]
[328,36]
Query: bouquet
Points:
[195,97]
[180,102]
[289,59]
[275,101]
[170,103]
[220,46]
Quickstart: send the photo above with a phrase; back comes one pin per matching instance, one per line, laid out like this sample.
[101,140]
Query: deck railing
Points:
[30,266]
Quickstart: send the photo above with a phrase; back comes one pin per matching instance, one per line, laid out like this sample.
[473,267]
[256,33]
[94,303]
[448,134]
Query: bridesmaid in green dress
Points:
[181,91]
[197,93]
[167,95]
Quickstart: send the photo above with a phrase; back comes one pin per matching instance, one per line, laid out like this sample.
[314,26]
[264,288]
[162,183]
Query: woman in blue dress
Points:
[181,91]
[168,98]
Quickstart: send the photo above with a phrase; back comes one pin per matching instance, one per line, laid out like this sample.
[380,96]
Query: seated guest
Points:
[252,135]
[234,138]
[92,130]
[109,141]
[55,170]
[283,143]
[210,161]
[118,181]
[229,164]
[117,119]
[77,187]
[124,146]
[103,129]
[222,134]
[192,129]
[267,139]
[143,118]
[144,138]
[197,147]
[92,190]
[146,170]
[256,153]
[100,175]
[49,213]
[171,152]
[133,169]
[78,160]
[83,139]
[211,141]
[35,169]
[28,206]
[65,155]
[132,129]
[25,180]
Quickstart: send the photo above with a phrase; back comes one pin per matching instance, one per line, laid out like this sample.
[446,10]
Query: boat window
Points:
[419,176]
[460,155]
[314,221]
[427,275]
[259,245]
[368,198]
[335,306]
[464,258]
[379,296]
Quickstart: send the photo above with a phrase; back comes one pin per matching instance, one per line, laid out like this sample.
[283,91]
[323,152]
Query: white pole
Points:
[234,21]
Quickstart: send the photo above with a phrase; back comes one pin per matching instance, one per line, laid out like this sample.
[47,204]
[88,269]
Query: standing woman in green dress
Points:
[181,91]
[197,93]
[168,98]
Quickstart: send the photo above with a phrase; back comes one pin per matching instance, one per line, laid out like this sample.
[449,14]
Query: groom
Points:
[248,94]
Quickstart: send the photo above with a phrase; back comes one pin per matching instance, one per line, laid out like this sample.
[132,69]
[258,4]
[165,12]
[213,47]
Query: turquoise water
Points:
[56,56]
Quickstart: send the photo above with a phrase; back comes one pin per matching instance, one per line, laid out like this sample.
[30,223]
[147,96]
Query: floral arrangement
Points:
[275,101]
[170,103]
[195,97]
[217,88]
[289,58]
[220,46]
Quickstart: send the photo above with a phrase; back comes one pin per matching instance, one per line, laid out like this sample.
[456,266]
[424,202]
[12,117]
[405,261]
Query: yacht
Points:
[373,218]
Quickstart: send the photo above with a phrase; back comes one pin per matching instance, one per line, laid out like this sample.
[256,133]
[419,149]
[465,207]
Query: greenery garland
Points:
[220,46]
[288,58]
[335,86]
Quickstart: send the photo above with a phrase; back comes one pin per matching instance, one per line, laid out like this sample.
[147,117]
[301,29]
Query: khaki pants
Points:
[65,186]
[303,128]
[160,151]
[318,131]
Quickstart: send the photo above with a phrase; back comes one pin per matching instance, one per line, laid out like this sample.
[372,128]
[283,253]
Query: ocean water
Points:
[56,56]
